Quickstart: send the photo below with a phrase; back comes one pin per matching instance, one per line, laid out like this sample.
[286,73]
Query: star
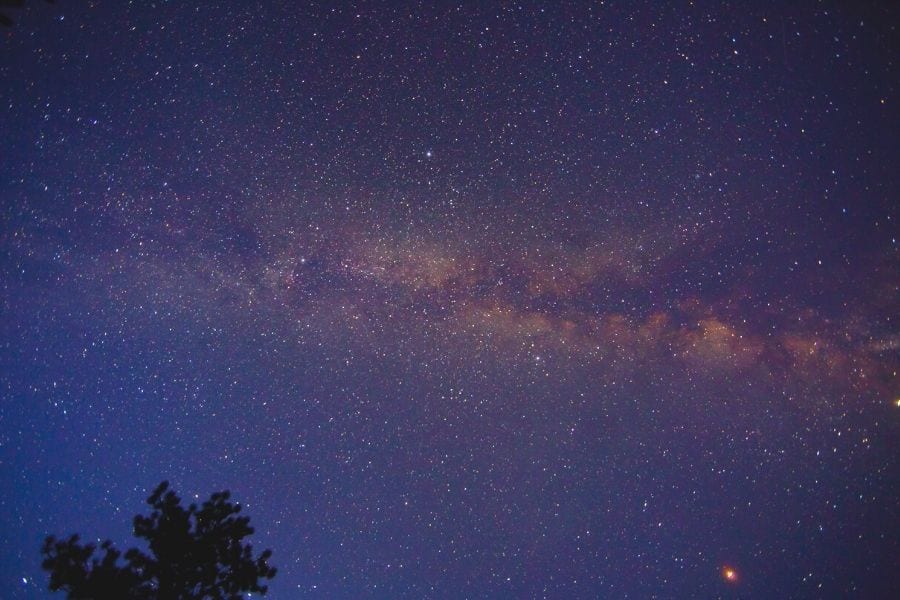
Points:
[730,574]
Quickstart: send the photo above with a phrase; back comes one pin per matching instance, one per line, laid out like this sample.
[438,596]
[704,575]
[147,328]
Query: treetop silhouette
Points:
[194,553]
[4,4]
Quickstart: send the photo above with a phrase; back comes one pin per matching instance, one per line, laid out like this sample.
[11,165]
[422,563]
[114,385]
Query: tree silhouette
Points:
[194,553]
[4,4]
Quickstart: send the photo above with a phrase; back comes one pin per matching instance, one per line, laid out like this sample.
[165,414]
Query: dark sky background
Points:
[471,299]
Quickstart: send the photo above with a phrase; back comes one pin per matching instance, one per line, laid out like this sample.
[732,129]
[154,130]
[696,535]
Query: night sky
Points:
[460,299]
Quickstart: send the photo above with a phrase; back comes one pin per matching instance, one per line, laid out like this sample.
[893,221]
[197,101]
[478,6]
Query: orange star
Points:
[729,574]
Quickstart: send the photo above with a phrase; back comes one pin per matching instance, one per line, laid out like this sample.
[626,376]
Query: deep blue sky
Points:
[460,300]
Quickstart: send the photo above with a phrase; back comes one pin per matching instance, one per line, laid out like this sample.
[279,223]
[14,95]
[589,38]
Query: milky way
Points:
[460,300]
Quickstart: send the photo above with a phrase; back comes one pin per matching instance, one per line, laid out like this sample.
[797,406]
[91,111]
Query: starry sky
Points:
[460,299]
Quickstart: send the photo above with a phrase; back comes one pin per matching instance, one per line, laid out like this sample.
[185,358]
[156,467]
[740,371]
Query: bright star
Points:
[729,574]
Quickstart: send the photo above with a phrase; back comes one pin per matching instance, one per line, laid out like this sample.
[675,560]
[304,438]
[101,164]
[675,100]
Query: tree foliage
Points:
[194,553]
[4,4]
